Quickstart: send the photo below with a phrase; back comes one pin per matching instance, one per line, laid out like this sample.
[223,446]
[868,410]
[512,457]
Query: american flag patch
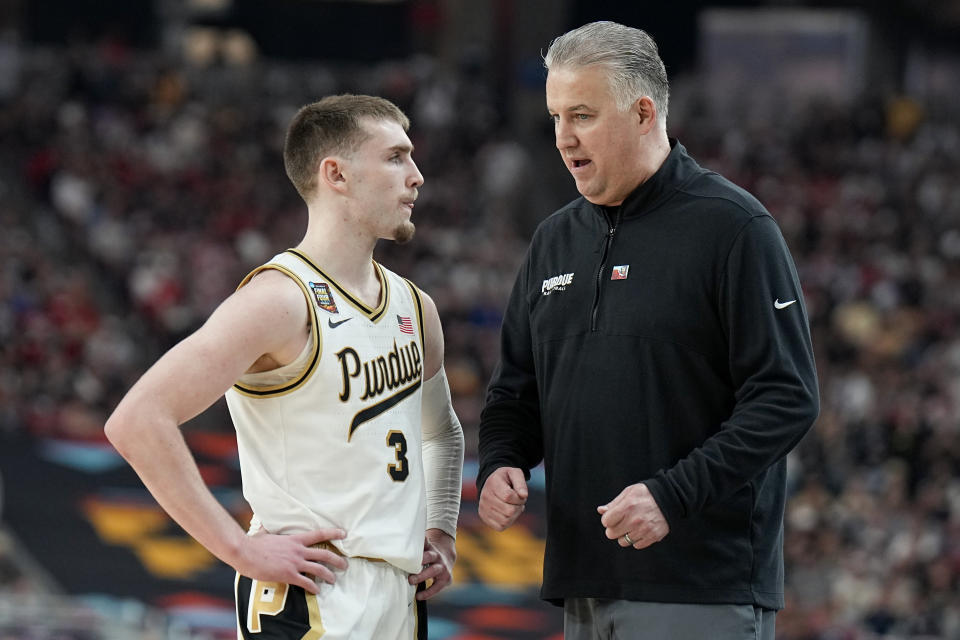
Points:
[405,325]
[620,272]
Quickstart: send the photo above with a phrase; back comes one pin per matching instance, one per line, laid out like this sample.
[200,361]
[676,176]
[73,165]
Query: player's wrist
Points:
[444,543]
[237,551]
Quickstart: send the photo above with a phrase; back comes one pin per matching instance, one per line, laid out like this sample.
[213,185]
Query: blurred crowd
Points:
[869,201]
[136,192]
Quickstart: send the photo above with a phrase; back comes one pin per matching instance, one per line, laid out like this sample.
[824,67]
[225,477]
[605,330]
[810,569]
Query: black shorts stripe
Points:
[291,623]
[421,628]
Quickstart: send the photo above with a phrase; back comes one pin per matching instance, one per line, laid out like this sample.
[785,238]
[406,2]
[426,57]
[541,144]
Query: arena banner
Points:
[87,520]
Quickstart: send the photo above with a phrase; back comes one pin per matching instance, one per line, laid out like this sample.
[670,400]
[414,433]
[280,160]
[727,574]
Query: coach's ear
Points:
[646,113]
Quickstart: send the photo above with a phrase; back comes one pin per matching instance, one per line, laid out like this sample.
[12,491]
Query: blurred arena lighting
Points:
[801,53]
[208,6]
[203,46]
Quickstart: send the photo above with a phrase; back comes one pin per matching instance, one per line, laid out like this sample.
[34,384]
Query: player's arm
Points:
[442,460]
[265,319]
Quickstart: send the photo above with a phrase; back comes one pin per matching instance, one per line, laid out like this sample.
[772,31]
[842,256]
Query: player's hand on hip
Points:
[633,518]
[503,498]
[291,559]
[439,554]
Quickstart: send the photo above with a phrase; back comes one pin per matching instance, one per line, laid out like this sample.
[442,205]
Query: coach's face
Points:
[601,146]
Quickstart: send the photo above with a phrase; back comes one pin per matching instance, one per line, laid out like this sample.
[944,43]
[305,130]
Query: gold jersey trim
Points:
[419,302]
[374,314]
[287,387]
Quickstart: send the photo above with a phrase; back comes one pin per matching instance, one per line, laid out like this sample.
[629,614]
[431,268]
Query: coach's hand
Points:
[634,518]
[439,554]
[503,498]
[290,558]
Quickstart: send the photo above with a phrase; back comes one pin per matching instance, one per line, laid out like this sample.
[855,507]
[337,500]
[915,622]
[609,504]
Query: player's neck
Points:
[344,253]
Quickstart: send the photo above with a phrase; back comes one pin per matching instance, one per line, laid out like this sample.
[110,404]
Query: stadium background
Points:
[141,178]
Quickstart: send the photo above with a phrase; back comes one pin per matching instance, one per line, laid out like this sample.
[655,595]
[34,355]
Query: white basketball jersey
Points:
[336,442]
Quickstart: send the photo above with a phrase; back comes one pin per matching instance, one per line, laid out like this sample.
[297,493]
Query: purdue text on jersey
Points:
[399,367]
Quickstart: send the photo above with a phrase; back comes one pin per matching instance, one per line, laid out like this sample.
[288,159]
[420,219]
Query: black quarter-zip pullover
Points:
[668,344]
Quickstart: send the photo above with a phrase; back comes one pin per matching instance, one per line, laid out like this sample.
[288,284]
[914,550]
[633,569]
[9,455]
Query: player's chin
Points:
[404,232]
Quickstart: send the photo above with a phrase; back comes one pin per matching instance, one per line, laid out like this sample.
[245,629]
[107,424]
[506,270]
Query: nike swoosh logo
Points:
[782,305]
[334,325]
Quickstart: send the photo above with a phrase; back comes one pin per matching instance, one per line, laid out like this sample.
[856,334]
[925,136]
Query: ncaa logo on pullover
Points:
[556,283]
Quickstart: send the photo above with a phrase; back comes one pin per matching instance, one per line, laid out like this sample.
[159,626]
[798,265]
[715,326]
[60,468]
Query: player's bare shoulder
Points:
[271,310]
[274,296]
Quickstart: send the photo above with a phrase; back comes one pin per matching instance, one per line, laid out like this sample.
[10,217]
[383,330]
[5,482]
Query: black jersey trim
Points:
[417,299]
[374,314]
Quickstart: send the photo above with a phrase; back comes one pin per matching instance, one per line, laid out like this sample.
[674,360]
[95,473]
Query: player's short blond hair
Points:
[331,126]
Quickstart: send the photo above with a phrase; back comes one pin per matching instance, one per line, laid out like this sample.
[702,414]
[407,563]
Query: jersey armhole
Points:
[419,303]
[291,385]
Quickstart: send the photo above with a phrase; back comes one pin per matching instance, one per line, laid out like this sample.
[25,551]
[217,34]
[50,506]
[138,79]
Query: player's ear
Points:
[330,173]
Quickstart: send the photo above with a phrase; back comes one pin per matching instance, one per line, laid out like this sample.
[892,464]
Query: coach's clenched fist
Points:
[503,498]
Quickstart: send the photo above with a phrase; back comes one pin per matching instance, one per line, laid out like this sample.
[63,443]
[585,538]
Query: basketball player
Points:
[350,451]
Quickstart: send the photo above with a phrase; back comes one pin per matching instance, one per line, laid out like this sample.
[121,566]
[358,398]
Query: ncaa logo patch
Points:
[324,298]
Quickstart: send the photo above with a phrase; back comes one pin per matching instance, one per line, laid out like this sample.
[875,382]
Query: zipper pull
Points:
[613,221]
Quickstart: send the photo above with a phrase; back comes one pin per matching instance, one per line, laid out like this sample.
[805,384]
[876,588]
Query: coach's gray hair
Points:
[629,55]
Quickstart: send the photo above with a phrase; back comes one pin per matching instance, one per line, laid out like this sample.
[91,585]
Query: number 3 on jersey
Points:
[398,470]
